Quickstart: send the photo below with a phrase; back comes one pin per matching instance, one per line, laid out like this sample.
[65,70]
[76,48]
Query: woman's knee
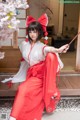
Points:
[51,56]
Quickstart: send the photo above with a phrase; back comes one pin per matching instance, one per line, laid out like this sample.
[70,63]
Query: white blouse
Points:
[32,54]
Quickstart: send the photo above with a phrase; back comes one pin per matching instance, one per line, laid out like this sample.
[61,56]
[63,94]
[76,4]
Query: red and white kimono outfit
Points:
[38,76]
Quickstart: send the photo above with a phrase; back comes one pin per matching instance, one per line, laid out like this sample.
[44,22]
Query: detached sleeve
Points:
[20,76]
[53,50]
[21,46]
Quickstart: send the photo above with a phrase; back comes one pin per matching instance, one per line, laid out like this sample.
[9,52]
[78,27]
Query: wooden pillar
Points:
[78,48]
[15,39]
[61,12]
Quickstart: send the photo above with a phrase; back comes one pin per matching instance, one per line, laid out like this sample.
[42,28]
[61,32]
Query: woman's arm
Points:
[62,49]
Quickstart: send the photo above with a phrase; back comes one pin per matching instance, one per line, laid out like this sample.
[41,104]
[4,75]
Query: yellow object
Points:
[9,26]
[10,14]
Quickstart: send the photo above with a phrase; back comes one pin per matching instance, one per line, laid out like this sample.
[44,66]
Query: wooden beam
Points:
[78,49]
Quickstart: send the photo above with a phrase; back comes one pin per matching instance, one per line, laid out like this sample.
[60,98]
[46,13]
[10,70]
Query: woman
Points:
[40,65]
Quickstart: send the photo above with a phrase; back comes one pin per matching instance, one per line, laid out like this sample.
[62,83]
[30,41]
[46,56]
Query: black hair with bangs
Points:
[35,26]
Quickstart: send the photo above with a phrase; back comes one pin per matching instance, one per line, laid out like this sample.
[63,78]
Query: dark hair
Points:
[35,26]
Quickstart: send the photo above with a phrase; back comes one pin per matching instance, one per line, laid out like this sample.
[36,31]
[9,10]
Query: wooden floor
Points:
[69,84]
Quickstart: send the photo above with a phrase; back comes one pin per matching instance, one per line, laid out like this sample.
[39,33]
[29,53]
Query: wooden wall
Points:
[11,62]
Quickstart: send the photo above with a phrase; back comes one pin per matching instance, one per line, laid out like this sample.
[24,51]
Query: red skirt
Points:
[37,91]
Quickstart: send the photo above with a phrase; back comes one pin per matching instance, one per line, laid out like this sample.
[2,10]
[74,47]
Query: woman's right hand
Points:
[63,49]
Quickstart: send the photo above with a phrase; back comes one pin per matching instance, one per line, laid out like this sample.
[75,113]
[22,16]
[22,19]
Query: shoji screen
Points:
[17,36]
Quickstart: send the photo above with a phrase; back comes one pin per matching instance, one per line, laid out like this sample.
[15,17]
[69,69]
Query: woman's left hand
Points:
[64,48]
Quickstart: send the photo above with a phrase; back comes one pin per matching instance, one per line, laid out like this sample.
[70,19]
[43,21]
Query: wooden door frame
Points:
[78,48]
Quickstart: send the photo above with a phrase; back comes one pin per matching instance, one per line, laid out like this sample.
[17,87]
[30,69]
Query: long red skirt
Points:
[36,91]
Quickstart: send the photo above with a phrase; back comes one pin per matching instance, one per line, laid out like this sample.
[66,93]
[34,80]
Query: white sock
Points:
[12,118]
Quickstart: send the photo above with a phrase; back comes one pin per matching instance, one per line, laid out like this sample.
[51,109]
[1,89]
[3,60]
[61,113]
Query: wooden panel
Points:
[11,61]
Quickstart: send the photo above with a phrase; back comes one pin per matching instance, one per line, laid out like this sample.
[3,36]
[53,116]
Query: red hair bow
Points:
[43,20]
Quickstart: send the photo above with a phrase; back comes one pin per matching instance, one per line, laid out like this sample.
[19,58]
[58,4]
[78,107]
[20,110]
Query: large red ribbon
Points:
[43,20]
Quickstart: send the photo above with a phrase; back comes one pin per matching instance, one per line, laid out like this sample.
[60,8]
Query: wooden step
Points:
[69,85]
[4,88]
